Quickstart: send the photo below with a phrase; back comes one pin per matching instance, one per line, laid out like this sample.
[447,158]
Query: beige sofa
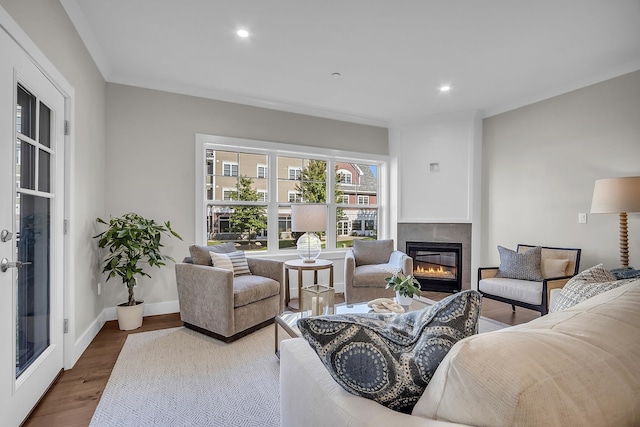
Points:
[579,366]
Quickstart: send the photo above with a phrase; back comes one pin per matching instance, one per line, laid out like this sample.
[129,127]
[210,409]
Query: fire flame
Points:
[432,272]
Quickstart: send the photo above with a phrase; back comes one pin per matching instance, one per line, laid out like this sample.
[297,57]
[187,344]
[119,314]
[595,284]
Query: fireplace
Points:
[437,265]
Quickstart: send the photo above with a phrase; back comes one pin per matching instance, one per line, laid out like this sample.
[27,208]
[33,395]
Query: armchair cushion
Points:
[391,359]
[523,266]
[232,261]
[250,288]
[372,251]
[200,254]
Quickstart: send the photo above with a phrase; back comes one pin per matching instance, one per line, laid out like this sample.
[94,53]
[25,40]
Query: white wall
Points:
[445,197]
[47,24]
[450,142]
[540,163]
[150,161]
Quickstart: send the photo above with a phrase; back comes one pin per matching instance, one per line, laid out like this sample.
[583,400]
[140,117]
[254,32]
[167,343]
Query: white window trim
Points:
[365,200]
[273,150]
[265,195]
[225,190]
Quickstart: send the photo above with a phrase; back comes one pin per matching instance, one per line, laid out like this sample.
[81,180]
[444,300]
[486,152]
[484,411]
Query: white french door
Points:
[31,219]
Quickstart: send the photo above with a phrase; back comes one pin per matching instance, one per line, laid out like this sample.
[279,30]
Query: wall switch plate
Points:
[582,218]
[99,288]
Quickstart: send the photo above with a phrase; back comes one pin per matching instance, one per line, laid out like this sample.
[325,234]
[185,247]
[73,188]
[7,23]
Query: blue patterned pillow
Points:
[391,358]
[523,266]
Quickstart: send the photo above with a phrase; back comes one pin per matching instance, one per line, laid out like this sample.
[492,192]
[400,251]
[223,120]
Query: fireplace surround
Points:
[437,265]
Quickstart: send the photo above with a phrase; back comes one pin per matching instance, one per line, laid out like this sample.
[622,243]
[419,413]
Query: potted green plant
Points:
[405,286]
[133,242]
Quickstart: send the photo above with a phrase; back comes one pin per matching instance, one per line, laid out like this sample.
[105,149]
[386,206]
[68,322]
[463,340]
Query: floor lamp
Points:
[621,196]
[309,218]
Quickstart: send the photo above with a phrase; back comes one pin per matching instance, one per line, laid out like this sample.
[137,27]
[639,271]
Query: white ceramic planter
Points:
[130,317]
[402,300]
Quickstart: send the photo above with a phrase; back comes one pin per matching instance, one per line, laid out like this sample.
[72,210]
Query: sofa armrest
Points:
[269,268]
[309,396]
[198,305]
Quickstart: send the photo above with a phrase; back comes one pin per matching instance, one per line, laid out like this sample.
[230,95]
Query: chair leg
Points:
[513,308]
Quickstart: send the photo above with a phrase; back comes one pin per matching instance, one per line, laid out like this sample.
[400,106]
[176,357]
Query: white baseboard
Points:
[81,344]
[150,309]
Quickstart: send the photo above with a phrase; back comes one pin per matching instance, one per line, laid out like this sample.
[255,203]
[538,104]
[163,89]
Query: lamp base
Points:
[309,247]
[309,261]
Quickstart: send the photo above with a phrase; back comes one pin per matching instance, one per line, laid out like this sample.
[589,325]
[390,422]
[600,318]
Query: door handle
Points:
[5,264]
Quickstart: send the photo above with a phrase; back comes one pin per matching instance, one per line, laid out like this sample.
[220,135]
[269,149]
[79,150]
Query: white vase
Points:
[130,316]
[403,300]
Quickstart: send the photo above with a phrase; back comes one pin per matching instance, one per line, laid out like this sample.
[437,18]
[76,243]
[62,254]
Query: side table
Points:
[301,266]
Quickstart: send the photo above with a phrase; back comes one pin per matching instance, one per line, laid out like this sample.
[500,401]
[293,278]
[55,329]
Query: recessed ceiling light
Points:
[445,88]
[242,33]
[336,75]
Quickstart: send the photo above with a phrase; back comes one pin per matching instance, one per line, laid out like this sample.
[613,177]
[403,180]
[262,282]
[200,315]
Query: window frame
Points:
[231,165]
[273,150]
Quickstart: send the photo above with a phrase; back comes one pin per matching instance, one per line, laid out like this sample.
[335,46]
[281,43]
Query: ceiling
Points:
[392,56]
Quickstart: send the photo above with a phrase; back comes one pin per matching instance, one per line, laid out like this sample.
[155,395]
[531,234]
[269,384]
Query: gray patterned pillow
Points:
[585,285]
[391,358]
[523,266]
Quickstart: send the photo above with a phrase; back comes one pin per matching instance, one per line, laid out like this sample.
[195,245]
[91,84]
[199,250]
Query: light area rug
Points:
[178,377]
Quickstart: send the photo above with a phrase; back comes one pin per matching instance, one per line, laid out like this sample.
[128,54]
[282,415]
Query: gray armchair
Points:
[366,266]
[214,302]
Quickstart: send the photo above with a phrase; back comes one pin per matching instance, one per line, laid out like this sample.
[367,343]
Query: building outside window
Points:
[363,200]
[239,207]
[230,169]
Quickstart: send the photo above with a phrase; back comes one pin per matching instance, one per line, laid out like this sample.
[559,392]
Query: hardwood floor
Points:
[73,398]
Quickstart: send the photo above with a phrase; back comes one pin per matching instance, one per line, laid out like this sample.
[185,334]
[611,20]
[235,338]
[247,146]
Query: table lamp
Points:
[309,218]
[621,196]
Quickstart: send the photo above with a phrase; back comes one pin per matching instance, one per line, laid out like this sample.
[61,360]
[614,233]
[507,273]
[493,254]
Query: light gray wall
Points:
[540,163]
[151,153]
[47,24]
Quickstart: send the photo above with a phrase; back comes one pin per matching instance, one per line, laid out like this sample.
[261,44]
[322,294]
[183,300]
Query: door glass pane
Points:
[32,279]
[45,125]
[25,165]
[26,113]
[44,177]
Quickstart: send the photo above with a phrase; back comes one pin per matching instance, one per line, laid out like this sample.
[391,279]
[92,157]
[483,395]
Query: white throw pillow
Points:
[586,284]
[554,267]
[235,262]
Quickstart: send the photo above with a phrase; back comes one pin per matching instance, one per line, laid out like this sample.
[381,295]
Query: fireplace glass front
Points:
[436,265]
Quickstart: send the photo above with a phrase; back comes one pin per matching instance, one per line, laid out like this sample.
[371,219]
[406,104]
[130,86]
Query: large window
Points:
[245,204]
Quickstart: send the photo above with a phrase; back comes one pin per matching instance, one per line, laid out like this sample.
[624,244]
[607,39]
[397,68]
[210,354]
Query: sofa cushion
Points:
[523,266]
[574,367]
[200,254]
[248,289]
[585,285]
[391,358]
[372,251]
[232,261]
[520,290]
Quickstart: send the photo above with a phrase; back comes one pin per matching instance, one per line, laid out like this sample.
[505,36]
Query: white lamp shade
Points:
[616,195]
[308,217]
